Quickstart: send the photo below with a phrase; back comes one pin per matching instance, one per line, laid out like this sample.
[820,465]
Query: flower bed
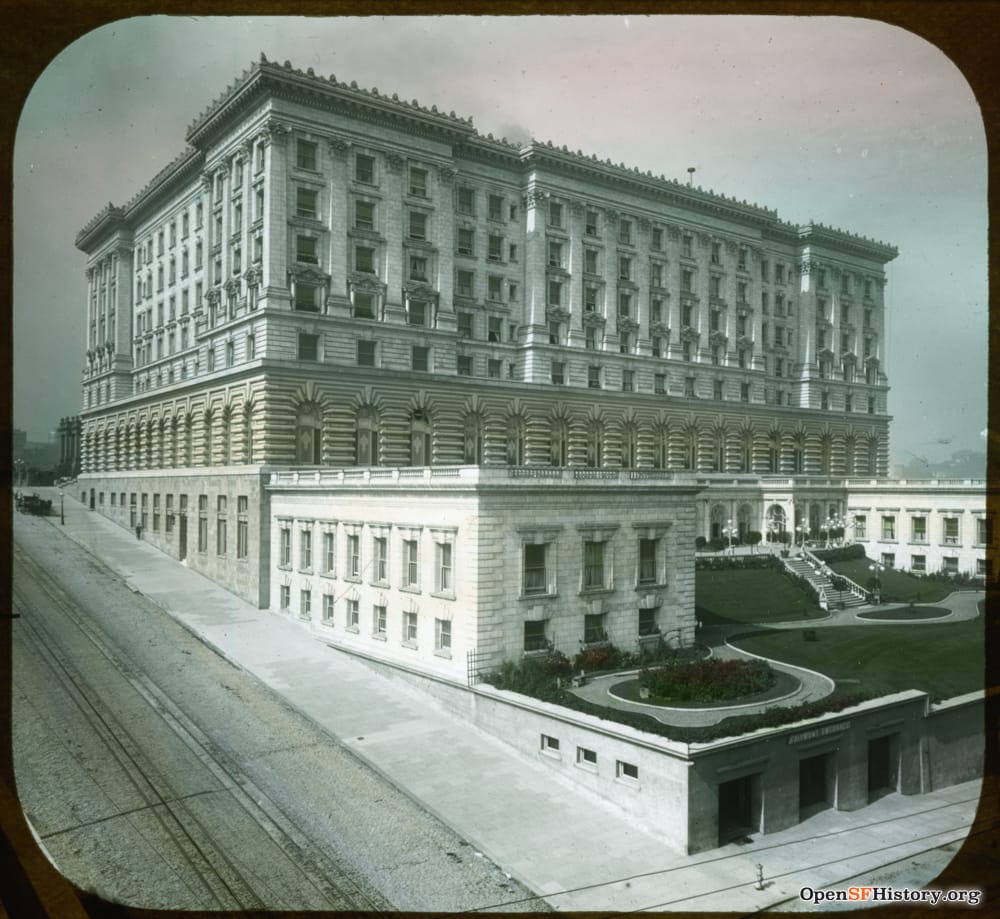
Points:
[707,681]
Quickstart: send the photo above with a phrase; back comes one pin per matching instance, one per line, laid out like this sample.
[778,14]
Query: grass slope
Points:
[896,585]
[943,660]
[755,595]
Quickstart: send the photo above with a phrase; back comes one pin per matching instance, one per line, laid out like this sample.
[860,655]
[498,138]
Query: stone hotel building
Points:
[439,394]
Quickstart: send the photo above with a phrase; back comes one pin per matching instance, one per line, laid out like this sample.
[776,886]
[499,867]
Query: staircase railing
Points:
[855,589]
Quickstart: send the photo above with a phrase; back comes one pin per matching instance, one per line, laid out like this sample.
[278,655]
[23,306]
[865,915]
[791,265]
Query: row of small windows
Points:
[949,532]
[367,561]
[146,514]
[408,627]
[587,759]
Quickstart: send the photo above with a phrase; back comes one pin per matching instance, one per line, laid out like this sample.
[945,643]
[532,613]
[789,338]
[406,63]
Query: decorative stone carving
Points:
[446,175]
[644,224]
[576,208]
[233,286]
[594,319]
[718,338]
[731,246]
[418,290]
[743,343]
[339,147]
[611,216]
[252,277]
[825,354]
[703,240]
[363,281]
[625,324]
[689,334]
[674,233]
[556,314]
[660,328]
[394,162]
[536,197]
[274,132]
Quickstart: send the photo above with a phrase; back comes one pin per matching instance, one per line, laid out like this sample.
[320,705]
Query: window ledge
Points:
[652,585]
[587,767]
[443,595]
[328,574]
[409,589]
[352,578]
[412,645]
[443,652]
[326,623]
[379,636]
[284,567]
[351,628]
[543,596]
[595,591]
[305,571]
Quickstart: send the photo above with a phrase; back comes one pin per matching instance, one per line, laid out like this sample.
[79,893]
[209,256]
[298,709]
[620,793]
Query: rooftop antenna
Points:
[690,175]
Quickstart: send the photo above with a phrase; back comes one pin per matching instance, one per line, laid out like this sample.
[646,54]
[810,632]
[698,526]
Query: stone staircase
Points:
[811,571]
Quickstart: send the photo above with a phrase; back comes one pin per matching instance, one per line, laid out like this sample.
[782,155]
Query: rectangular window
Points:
[366,354]
[627,771]
[554,292]
[555,214]
[918,563]
[202,523]
[659,383]
[889,559]
[647,561]
[442,635]
[647,621]
[220,525]
[364,169]
[535,572]
[328,604]
[950,531]
[918,526]
[353,615]
[418,269]
[305,550]
[549,744]
[353,555]
[494,368]
[590,223]
[420,358]
[494,249]
[534,635]
[379,620]
[593,628]
[305,155]
[418,225]
[625,232]
[465,325]
[442,554]
[285,597]
[494,207]
[558,373]
[364,215]
[308,347]
[594,377]
[242,526]
[285,550]
[585,757]
[888,527]
[418,182]
[411,570]
[590,261]
[466,241]
[380,561]
[628,380]
[305,603]
[410,628]
[593,565]
[329,553]
[463,365]
[464,283]
[156,513]
[364,259]
[494,329]
[466,203]
[984,531]
[305,203]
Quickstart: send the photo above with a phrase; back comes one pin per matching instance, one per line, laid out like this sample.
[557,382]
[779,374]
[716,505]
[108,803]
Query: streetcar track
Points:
[182,826]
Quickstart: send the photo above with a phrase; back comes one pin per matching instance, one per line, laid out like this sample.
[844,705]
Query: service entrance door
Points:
[182,537]
[815,785]
[881,767]
[739,808]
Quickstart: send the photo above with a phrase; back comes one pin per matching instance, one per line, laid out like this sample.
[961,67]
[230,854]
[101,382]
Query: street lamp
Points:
[877,567]
[802,529]
[729,530]
[62,509]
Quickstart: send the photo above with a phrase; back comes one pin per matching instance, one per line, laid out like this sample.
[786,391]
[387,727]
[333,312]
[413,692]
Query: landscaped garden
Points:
[942,660]
[726,596]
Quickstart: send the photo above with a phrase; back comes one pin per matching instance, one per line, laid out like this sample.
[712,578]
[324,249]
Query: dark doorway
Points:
[182,537]
[739,808]
[882,756]
[816,779]
[91,498]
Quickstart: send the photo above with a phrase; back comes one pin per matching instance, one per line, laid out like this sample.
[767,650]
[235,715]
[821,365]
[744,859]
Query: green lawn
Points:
[944,660]
[896,585]
[754,595]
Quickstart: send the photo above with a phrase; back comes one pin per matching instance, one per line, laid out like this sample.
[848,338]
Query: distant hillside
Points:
[963,464]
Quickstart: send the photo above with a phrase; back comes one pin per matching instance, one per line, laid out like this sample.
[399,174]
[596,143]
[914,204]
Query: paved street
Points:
[559,842]
[156,773]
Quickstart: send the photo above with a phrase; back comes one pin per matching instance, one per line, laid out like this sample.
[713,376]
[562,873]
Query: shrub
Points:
[709,680]
[840,553]
[700,542]
[753,537]
[717,544]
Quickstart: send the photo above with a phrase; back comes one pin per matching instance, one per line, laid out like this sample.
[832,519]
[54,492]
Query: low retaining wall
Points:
[954,739]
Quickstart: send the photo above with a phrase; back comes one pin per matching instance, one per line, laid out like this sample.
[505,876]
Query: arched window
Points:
[774,455]
[595,444]
[473,440]
[248,433]
[630,446]
[209,435]
[174,438]
[824,455]
[690,450]
[776,522]
[188,441]
[872,456]
[746,452]
[744,516]
[798,455]
[661,449]
[225,432]
[309,435]
[366,437]
[559,441]
[515,441]
[420,438]
[849,453]
[719,452]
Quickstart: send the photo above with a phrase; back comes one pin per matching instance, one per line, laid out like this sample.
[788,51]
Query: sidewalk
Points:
[559,842]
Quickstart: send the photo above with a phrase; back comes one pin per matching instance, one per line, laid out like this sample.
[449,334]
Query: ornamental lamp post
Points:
[802,529]
[729,530]
[62,509]
[877,592]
